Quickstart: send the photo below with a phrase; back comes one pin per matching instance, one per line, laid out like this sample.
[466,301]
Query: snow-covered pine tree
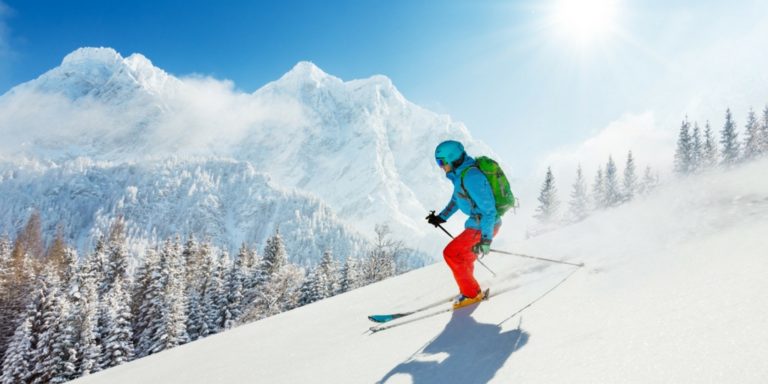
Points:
[383,257]
[764,132]
[697,149]
[578,206]
[709,152]
[53,343]
[350,275]
[308,292]
[201,322]
[116,257]
[254,278]
[729,139]
[630,178]
[753,141]
[648,183]
[549,204]
[234,290]
[213,293]
[612,190]
[282,283]
[25,257]
[598,190]
[117,335]
[151,304]
[55,255]
[683,154]
[89,344]
[18,360]
[275,256]
[329,272]
[174,328]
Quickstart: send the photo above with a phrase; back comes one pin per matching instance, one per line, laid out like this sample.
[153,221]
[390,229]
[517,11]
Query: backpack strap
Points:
[461,181]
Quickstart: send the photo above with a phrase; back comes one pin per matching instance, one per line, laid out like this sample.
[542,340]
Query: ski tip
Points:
[381,318]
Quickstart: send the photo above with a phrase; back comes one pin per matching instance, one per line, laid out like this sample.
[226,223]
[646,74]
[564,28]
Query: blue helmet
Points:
[449,152]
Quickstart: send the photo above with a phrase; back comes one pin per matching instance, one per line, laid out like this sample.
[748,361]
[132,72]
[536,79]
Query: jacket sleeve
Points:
[449,209]
[479,190]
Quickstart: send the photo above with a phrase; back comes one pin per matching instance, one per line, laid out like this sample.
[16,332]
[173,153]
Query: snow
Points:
[359,146]
[672,291]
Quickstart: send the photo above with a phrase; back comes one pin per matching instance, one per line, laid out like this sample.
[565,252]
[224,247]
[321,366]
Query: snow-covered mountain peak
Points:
[102,73]
[90,56]
[306,74]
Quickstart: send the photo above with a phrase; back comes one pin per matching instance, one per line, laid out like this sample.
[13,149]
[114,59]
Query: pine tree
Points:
[630,178]
[89,343]
[35,337]
[55,255]
[275,256]
[151,307]
[234,290]
[598,190]
[254,278]
[729,139]
[764,132]
[327,271]
[648,183]
[754,141]
[118,333]
[201,322]
[116,265]
[548,201]
[52,352]
[612,193]
[697,149]
[174,327]
[309,289]
[579,203]
[17,364]
[683,155]
[383,258]
[709,152]
[350,275]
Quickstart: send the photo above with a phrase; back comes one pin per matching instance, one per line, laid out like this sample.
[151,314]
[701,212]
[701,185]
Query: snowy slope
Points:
[673,292]
[358,145]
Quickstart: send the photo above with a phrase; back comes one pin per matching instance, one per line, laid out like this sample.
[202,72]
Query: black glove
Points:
[434,219]
[482,248]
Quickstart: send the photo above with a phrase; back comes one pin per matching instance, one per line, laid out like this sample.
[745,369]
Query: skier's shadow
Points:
[465,352]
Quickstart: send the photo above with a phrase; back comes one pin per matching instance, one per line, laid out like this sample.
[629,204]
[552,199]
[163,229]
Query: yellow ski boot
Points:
[463,301]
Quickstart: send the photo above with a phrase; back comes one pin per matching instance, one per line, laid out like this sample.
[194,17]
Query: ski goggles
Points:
[441,162]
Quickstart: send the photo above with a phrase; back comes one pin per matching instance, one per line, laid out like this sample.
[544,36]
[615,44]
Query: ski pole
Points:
[478,259]
[537,258]
[519,254]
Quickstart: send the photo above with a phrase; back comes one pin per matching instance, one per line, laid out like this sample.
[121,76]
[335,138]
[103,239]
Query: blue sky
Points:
[508,69]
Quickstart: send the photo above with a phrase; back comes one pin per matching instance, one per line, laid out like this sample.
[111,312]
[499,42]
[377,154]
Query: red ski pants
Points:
[460,258]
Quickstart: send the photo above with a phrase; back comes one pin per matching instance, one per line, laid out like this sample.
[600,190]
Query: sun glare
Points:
[584,21]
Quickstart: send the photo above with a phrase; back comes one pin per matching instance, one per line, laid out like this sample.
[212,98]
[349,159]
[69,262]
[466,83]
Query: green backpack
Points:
[505,200]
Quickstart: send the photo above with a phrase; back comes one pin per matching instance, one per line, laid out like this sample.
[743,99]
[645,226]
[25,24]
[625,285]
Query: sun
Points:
[584,22]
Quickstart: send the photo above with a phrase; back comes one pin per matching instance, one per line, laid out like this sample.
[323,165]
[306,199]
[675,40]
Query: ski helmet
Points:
[450,152]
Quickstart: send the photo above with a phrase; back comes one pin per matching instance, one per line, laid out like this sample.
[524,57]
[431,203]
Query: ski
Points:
[382,327]
[392,316]
[385,318]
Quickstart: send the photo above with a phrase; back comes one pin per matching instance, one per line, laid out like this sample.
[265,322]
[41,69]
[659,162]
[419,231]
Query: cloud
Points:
[194,116]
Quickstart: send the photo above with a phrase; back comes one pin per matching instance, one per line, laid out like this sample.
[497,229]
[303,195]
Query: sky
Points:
[543,82]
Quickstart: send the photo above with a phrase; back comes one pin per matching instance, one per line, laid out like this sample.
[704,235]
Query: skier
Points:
[472,194]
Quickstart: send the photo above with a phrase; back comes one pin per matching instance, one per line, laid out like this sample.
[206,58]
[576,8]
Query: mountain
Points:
[672,292]
[358,145]
[224,201]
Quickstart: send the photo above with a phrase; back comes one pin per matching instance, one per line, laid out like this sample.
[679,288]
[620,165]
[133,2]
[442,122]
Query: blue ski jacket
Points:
[475,199]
